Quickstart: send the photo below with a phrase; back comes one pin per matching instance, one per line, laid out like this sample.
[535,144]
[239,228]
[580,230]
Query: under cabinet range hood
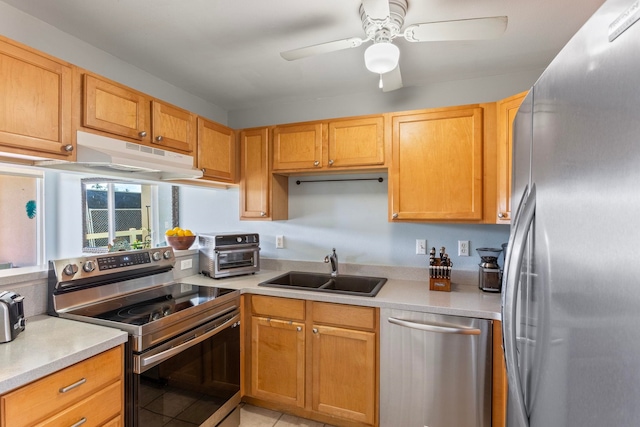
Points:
[100,155]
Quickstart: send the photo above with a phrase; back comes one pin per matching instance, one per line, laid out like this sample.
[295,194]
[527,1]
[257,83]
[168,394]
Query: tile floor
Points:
[252,416]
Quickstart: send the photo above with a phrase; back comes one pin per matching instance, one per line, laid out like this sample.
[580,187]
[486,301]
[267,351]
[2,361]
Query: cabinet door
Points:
[173,127]
[262,195]
[507,109]
[216,151]
[277,360]
[344,373]
[357,142]
[437,165]
[297,147]
[254,172]
[35,107]
[115,109]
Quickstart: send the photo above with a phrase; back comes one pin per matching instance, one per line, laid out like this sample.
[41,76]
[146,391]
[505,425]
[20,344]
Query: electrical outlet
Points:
[279,241]
[186,264]
[421,247]
[463,248]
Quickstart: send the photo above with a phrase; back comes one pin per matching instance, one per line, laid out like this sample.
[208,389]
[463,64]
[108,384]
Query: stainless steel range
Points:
[183,353]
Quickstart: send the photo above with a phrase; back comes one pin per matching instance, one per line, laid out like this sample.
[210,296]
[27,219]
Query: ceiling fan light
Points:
[380,58]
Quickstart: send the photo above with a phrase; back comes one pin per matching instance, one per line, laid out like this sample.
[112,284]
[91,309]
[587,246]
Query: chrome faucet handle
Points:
[333,259]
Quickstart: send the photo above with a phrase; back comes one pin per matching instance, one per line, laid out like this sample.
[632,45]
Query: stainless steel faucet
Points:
[333,259]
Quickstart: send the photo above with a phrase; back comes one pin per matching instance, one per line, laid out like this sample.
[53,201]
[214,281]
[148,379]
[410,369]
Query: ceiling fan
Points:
[382,21]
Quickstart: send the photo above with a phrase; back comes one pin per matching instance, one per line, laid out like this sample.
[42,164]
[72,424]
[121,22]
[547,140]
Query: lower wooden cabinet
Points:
[90,392]
[277,360]
[344,373]
[314,359]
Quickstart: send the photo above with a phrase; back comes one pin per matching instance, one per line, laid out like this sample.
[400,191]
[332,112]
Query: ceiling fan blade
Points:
[376,9]
[463,29]
[303,52]
[391,80]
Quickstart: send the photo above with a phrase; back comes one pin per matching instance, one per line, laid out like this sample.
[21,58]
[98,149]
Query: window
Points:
[117,213]
[21,217]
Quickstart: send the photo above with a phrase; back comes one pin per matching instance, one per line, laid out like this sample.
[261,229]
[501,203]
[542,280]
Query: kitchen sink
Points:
[341,284]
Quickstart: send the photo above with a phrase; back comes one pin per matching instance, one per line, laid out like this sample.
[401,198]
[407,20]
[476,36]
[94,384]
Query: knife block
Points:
[439,277]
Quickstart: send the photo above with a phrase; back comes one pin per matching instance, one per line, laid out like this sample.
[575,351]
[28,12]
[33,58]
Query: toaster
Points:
[12,320]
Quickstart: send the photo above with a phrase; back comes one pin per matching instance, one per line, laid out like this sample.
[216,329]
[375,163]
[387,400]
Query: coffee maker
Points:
[490,274]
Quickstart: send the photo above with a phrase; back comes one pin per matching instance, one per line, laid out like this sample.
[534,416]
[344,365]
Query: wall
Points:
[18,232]
[28,30]
[437,94]
[350,216]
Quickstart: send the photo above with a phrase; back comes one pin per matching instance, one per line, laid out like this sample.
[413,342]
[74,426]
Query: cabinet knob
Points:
[142,134]
[316,163]
[299,328]
[315,330]
[68,148]
[503,215]
[330,162]
[395,215]
[159,138]
[263,213]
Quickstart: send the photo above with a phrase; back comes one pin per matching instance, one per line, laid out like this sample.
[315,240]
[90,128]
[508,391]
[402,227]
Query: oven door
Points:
[192,380]
[231,262]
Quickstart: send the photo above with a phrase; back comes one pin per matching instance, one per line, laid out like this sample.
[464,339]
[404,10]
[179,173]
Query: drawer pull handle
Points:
[79,423]
[72,386]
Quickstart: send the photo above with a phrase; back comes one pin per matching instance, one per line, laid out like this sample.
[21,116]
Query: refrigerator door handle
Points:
[516,218]
[512,283]
[441,329]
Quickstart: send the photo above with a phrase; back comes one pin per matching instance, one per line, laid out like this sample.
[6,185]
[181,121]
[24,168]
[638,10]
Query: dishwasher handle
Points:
[440,329]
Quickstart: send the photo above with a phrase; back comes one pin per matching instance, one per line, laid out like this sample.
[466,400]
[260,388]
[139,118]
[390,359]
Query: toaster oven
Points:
[229,254]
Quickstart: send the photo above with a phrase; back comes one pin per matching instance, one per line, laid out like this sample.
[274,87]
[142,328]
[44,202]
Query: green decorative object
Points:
[31,209]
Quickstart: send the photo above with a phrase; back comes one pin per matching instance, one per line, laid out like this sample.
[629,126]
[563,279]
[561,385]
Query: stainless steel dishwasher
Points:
[435,370]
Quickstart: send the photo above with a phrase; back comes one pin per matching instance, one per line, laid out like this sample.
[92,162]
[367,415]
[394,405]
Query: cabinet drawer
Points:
[277,307]
[344,315]
[96,410]
[47,396]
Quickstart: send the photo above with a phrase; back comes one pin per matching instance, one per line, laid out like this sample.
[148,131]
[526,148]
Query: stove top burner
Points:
[153,304]
[140,314]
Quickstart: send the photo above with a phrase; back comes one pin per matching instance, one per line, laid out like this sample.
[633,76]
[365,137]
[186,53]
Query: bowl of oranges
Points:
[180,239]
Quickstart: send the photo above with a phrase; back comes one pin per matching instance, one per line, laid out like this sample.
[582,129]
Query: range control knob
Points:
[89,266]
[157,256]
[167,254]
[239,239]
[70,269]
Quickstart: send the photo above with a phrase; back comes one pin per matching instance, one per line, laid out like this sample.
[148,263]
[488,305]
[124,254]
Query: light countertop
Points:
[463,300]
[49,344]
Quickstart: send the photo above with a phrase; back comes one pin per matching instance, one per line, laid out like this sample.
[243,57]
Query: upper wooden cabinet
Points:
[118,110]
[35,107]
[216,151]
[507,109]
[172,127]
[356,142]
[115,109]
[297,147]
[263,195]
[436,172]
[329,145]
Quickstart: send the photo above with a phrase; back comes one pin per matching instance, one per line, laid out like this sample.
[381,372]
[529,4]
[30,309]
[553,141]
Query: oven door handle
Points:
[148,362]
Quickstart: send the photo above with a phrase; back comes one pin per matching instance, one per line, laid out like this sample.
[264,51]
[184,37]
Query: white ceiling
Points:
[227,51]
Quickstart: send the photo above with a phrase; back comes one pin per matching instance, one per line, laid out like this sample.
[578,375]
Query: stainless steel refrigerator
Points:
[571,291]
